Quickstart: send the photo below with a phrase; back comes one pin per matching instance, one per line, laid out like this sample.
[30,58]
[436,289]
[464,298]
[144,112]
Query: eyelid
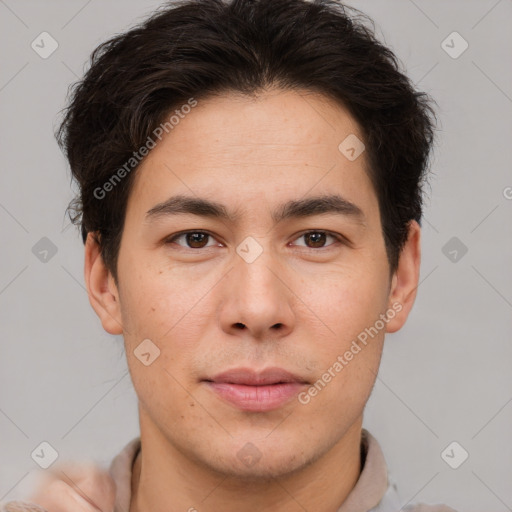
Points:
[339,237]
[170,239]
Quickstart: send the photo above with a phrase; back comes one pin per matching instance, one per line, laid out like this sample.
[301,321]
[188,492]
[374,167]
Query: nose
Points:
[258,298]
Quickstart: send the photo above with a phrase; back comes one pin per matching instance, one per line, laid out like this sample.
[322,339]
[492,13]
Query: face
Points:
[272,284]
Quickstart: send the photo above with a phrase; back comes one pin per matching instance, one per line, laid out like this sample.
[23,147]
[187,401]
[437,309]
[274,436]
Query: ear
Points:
[404,282]
[101,288]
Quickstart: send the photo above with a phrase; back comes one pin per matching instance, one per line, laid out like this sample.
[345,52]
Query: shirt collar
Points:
[373,491]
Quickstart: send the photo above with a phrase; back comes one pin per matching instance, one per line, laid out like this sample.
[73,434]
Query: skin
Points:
[252,155]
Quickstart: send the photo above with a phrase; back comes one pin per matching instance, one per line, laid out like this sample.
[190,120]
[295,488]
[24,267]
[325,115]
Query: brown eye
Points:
[316,239]
[193,239]
[196,240]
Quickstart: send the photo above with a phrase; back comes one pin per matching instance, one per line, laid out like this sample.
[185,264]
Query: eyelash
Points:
[341,239]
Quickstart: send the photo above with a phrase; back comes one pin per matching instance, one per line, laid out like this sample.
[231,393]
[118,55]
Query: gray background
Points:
[444,377]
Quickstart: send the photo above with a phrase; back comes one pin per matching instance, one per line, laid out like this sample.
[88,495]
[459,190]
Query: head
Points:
[250,191]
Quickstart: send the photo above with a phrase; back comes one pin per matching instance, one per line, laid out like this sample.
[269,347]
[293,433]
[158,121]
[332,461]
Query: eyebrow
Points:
[319,205]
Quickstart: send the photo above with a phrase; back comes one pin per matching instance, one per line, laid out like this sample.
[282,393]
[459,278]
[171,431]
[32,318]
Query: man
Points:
[250,196]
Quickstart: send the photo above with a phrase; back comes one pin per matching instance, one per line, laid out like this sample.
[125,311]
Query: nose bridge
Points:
[262,273]
[257,296]
[257,268]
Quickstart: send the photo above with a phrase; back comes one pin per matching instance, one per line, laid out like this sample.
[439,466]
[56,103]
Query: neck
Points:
[163,479]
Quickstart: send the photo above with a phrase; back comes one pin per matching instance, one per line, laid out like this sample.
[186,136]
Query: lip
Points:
[250,390]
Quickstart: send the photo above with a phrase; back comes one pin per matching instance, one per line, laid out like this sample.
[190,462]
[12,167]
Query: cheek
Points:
[353,303]
[161,306]
[347,302]
[349,353]
[152,298]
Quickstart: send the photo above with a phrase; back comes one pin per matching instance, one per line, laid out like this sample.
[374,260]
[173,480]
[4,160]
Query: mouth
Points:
[254,391]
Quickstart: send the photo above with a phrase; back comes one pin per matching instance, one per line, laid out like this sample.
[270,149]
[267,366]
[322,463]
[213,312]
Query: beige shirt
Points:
[375,490]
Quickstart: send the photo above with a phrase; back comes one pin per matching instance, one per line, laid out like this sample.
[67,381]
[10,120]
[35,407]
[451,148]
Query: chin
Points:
[261,461]
[264,471]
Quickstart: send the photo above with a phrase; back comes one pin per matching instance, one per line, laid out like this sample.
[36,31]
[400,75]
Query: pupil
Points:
[196,238]
[319,238]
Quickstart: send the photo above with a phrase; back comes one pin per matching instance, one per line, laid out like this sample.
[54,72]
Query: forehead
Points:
[280,143]
[276,117]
